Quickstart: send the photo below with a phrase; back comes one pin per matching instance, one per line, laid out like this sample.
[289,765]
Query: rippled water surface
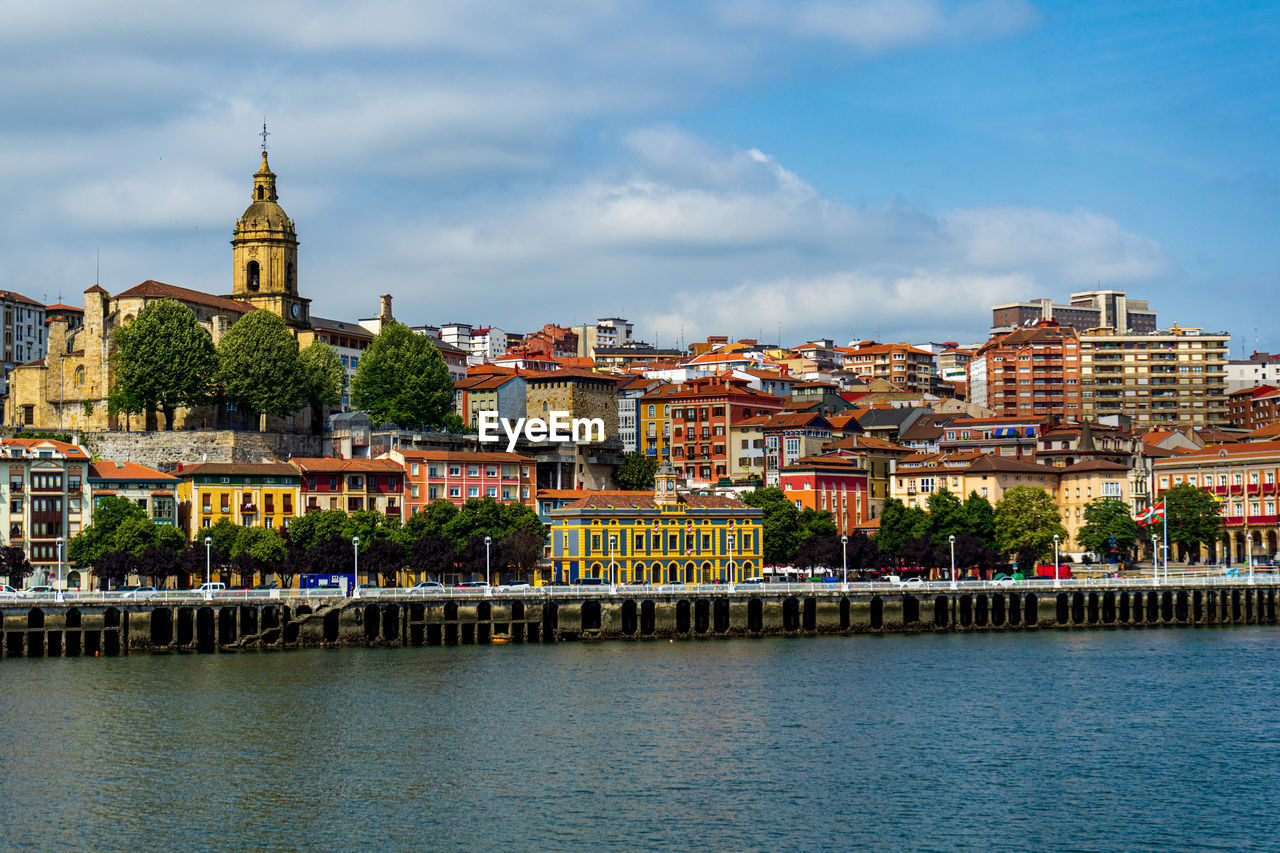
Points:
[1100,740]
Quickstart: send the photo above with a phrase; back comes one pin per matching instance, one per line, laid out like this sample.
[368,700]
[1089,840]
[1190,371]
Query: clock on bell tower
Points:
[265,254]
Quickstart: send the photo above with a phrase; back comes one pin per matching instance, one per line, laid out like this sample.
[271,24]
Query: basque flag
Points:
[1151,516]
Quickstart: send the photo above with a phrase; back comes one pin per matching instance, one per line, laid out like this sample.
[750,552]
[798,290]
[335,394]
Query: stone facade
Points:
[581,394]
[165,451]
[68,388]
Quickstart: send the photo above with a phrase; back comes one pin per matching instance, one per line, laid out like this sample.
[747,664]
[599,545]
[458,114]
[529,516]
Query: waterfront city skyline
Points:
[859,169]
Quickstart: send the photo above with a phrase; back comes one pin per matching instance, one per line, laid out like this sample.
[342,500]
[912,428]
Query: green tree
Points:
[257,550]
[781,530]
[1193,516]
[893,529]
[980,519]
[946,516]
[87,547]
[1026,521]
[323,380]
[635,474]
[311,529]
[1106,519]
[164,359]
[259,366]
[429,522]
[402,379]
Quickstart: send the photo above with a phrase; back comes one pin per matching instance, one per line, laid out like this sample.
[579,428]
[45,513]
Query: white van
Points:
[208,589]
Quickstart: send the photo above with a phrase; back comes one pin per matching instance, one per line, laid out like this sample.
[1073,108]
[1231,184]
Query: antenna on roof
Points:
[97,267]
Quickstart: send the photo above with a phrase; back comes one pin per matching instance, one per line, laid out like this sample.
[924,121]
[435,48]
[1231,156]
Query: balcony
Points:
[248,508]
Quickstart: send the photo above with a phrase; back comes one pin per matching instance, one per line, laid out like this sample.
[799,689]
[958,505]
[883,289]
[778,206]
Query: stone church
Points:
[67,390]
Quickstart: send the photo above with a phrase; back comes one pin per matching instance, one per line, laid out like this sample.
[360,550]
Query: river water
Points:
[1053,740]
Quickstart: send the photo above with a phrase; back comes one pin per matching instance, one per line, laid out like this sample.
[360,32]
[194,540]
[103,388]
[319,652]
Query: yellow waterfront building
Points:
[664,536]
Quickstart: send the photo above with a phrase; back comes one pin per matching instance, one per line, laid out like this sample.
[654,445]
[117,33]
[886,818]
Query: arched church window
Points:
[261,194]
[251,275]
[79,376]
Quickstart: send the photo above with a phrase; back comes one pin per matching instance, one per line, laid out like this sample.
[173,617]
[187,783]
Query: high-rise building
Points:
[1177,375]
[1089,309]
[1028,372]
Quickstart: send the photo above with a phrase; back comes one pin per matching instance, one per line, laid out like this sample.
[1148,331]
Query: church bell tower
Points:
[265,254]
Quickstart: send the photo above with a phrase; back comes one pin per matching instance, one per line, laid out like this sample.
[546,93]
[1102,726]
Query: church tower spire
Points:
[264,253]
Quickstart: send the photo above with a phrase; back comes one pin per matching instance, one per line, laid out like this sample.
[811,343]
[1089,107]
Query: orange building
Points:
[1032,372]
[456,475]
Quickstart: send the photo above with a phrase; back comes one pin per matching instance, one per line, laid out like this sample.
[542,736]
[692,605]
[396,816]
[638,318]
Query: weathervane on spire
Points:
[264,135]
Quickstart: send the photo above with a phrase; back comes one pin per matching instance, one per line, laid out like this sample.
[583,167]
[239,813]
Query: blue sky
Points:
[813,168]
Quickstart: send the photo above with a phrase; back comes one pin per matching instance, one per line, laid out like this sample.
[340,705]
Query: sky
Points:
[843,169]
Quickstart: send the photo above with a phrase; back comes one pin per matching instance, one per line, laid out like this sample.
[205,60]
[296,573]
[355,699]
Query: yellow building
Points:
[653,421]
[659,537]
[253,494]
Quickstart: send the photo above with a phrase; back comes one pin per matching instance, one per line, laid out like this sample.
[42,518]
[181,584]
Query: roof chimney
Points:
[385,316]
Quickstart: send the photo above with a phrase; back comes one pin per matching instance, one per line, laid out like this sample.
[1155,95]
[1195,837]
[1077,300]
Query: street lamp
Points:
[613,543]
[733,543]
[1155,562]
[488,540]
[58,585]
[208,559]
[951,540]
[1057,575]
[355,567]
[844,554]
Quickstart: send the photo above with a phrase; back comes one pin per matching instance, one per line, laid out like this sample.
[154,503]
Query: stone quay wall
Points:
[178,622]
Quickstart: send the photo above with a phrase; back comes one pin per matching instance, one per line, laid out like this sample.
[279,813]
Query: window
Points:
[473,470]
[1110,490]
[473,491]
[413,469]
[355,482]
[455,470]
[455,491]
[491,491]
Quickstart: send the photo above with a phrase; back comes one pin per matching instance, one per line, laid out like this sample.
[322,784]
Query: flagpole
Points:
[1165,525]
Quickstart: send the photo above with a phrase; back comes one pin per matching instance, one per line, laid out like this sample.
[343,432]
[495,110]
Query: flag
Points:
[1151,516]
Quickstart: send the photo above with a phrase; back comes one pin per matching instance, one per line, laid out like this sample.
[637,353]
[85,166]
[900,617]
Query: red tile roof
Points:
[645,500]
[72,451]
[335,464]
[463,456]
[159,290]
[126,471]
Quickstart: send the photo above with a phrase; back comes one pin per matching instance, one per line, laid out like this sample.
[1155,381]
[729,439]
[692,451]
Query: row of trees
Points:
[1021,526]
[166,360]
[445,539]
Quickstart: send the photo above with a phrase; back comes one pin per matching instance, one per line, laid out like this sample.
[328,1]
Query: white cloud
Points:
[880,26]
[716,239]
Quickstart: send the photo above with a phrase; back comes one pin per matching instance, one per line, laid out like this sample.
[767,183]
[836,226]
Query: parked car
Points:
[139,592]
[913,582]
[754,580]
[471,585]
[210,588]
[1002,580]
[269,585]
[592,582]
[7,593]
[426,586]
[515,585]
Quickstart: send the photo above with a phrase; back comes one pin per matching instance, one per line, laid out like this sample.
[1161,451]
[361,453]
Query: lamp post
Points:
[844,554]
[951,540]
[355,566]
[613,543]
[1057,575]
[733,543]
[58,584]
[1155,562]
[208,559]
[488,540]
